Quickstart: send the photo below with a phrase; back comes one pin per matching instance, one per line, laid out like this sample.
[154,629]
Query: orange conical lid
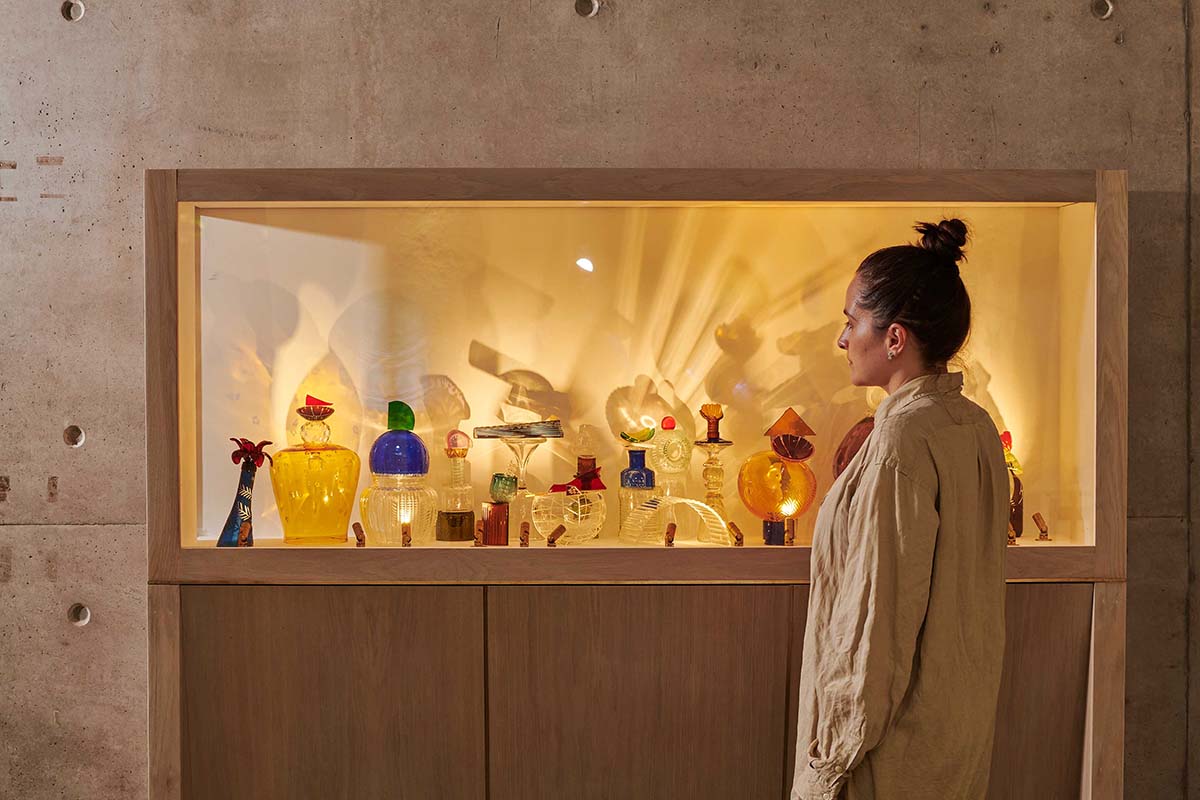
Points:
[790,423]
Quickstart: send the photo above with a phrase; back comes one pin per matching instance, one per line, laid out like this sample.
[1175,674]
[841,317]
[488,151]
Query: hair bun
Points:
[945,238]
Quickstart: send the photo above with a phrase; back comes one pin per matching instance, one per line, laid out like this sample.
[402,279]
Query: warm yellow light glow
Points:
[465,311]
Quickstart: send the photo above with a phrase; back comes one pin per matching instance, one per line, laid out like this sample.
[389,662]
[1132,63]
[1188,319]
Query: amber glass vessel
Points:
[776,484]
[775,490]
[315,482]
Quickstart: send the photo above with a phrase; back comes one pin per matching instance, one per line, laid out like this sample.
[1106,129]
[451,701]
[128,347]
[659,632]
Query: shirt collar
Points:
[920,386]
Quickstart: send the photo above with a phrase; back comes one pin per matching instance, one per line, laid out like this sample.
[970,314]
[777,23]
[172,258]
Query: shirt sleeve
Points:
[877,607]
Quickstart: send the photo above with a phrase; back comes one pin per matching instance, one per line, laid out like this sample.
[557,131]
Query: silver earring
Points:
[891,355]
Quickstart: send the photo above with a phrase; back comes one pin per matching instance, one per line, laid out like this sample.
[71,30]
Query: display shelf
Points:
[563,565]
[703,286]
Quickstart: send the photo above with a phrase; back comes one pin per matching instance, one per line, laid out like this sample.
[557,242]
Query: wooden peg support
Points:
[1043,528]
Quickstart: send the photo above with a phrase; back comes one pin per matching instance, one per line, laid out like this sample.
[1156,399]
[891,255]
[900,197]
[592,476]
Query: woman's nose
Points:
[841,342]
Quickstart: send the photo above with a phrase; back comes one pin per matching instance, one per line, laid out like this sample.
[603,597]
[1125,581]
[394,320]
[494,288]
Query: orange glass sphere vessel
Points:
[775,489]
[777,485]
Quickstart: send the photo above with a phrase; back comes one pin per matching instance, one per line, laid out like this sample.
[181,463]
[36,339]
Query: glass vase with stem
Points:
[522,448]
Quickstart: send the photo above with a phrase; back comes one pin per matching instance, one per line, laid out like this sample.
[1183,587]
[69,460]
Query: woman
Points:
[905,636]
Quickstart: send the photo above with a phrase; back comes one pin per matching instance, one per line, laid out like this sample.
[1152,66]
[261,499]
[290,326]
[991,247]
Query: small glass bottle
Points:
[315,482]
[496,513]
[637,483]
[398,507]
[456,515]
[670,456]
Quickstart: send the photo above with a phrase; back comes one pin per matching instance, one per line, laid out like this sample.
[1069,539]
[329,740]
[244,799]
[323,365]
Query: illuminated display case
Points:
[440,312]
[610,306]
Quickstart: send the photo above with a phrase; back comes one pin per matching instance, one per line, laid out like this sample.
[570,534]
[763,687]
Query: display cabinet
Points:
[543,390]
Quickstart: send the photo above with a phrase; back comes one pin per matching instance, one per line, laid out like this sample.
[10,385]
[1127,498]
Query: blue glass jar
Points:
[399,508]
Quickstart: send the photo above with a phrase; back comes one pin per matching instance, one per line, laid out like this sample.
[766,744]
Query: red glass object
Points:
[852,442]
[495,524]
[587,477]
[249,451]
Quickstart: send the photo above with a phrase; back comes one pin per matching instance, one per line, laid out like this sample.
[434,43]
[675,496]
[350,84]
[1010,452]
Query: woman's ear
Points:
[896,338]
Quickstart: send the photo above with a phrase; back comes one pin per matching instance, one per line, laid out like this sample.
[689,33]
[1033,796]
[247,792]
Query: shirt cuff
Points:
[817,779]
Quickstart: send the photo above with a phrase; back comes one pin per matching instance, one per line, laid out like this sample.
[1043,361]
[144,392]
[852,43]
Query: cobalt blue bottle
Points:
[637,483]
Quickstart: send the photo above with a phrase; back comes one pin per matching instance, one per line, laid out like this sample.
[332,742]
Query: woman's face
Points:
[865,344]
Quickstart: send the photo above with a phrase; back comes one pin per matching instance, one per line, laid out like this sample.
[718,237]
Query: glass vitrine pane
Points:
[608,317]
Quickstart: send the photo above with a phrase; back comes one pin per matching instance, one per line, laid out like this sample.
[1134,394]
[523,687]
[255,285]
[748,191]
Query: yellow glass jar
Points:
[315,482]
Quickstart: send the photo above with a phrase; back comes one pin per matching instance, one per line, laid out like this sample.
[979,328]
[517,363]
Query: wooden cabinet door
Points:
[1041,715]
[646,692]
[295,692]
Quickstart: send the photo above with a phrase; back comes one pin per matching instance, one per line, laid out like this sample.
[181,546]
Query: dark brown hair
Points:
[918,286]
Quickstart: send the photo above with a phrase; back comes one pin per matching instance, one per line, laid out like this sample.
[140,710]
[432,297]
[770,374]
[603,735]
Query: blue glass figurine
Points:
[251,457]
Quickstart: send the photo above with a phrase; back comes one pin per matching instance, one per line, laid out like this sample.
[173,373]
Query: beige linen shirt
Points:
[905,636]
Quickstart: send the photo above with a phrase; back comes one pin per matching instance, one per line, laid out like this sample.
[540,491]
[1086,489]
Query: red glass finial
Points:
[249,451]
[314,409]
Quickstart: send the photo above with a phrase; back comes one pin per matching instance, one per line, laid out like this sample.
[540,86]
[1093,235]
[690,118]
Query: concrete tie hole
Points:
[72,10]
[1102,9]
[79,615]
[73,436]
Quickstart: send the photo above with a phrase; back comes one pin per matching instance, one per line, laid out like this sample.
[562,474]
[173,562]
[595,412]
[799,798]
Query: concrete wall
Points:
[813,83]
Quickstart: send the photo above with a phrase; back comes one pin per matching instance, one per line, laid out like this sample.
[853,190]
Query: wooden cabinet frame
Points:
[169,564]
